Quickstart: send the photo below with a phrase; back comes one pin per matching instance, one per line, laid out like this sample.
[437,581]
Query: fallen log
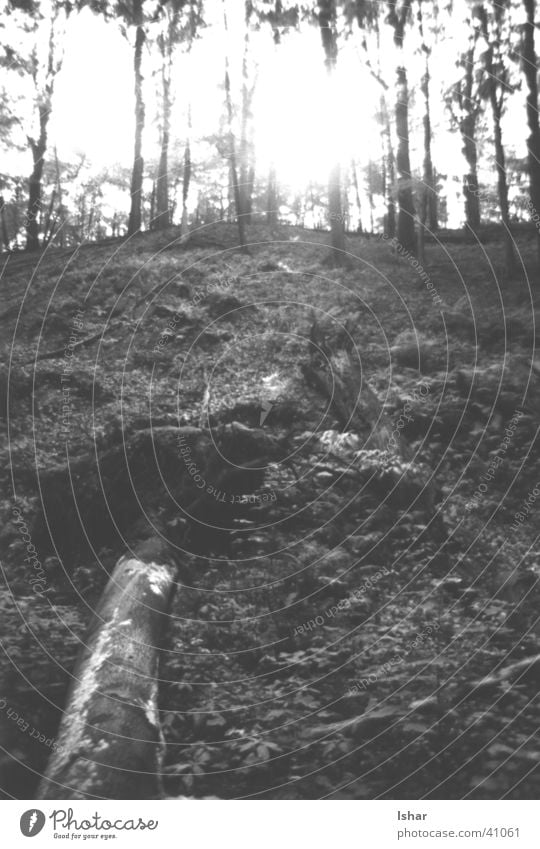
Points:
[110,742]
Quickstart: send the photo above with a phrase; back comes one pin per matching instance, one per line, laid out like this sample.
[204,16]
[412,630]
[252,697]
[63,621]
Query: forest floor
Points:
[338,634]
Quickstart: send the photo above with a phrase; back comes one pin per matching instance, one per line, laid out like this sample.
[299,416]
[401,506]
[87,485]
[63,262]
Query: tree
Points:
[429,193]
[398,17]
[180,21]
[41,59]
[281,20]
[135,17]
[131,15]
[246,147]
[367,15]
[494,31]
[530,70]
[326,17]
[233,167]
[464,103]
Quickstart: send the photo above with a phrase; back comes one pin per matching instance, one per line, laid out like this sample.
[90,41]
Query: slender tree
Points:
[136,18]
[42,64]
[186,174]
[429,199]
[496,88]
[398,17]
[132,18]
[246,152]
[367,15]
[530,71]
[327,19]
[272,197]
[233,164]
[180,21]
[464,103]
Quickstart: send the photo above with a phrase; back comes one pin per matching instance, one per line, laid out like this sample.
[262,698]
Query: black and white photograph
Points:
[269,411]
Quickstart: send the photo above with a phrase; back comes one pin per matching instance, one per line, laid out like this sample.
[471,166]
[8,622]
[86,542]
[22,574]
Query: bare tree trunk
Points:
[272,198]
[3,224]
[50,220]
[429,180]
[389,163]
[152,216]
[233,166]
[134,224]
[424,207]
[530,67]
[246,168]
[185,185]
[470,180]
[337,224]
[405,224]
[502,184]
[38,149]
[354,174]
[496,100]
[327,28]
[162,219]
[469,104]
[370,196]
[110,741]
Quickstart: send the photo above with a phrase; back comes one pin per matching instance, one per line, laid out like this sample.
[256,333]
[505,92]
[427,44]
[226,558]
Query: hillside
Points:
[358,611]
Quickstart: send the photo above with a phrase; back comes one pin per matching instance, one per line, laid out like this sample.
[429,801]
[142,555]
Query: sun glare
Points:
[304,119]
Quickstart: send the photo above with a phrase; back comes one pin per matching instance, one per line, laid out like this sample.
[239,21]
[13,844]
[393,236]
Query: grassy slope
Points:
[253,704]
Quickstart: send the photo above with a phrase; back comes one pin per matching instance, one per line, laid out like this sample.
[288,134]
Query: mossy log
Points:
[110,743]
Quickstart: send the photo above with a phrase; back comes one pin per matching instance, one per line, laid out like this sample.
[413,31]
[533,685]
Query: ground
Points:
[358,616]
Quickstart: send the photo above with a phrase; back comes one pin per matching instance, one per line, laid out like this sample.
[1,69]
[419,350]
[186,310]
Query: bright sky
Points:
[303,121]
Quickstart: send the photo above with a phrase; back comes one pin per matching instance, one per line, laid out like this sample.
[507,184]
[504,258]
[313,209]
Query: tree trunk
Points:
[110,741]
[185,185]
[469,106]
[33,213]
[405,224]
[354,173]
[245,148]
[272,198]
[370,196]
[533,142]
[337,224]
[162,218]
[327,27]
[233,167]
[496,99]
[134,224]
[470,180]
[50,220]
[431,218]
[389,163]
[3,224]
[502,185]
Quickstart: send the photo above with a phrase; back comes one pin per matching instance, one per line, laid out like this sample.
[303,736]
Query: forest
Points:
[269,399]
